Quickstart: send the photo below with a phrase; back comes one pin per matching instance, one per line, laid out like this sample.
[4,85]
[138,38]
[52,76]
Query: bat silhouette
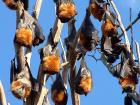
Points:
[58,91]
[83,81]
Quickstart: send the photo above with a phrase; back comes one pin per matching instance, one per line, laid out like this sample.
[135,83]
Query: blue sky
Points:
[105,91]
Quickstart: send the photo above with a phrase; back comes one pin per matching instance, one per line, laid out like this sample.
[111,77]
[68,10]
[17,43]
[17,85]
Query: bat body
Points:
[88,34]
[12,4]
[59,93]
[83,81]
[28,31]
[96,9]
[21,82]
[66,10]
[50,60]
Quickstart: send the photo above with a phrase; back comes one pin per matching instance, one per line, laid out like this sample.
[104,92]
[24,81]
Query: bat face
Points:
[24,37]
[51,64]
[20,90]
[96,10]
[66,11]
[59,92]
[108,28]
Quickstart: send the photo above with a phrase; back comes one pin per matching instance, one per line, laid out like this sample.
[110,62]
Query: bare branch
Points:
[37,8]
[56,31]
[2,95]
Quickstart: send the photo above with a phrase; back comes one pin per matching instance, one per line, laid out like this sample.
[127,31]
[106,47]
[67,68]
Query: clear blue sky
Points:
[106,90]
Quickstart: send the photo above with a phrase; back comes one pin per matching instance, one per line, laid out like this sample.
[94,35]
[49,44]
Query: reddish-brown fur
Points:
[86,84]
[66,11]
[108,28]
[128,82]
[58,96]
[16,85]
[51,64]
[24,36]
[10,4]
[96,12]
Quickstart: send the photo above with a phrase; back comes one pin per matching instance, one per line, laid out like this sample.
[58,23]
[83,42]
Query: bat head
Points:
[66,11]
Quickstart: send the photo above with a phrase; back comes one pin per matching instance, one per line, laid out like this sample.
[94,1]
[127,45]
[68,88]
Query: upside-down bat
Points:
[111,47]
[58,91]
[28,31]
[50,59]
[12,4]
[83,81]
[88,34]
[127,74]
[65,10]
[21,82]
[96,8]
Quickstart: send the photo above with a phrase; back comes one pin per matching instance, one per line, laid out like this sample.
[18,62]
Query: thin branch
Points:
[2,95]
[65,71]
[37,8]
[56,31]
[131,24]
[138,54]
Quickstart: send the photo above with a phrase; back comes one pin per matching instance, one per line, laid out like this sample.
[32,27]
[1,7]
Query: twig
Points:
[2,95]
[138,54]
[65,71]
[131,24]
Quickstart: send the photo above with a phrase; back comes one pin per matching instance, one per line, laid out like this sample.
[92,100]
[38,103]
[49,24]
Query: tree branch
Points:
[2,95]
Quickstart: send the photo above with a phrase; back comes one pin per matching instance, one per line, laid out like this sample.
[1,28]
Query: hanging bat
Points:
[125,72]
[12,4]
[59,93]
[128,100]
[88,34]
[83,81]
[65,10]
[50,59]
[96,9]
[21,82]
[28,31]
[71,37]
